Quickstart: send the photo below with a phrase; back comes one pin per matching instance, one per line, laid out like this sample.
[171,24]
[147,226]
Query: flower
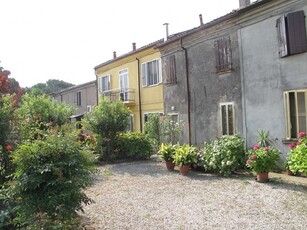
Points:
[266,149]
[302,134]
[256,147]
[8,148]
[262,159]
[298,143]
[292,145]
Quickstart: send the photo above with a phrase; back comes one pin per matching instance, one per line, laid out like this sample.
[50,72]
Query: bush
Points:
[224,155]
[297,158]
[49,180]
[133,145]
[107,120]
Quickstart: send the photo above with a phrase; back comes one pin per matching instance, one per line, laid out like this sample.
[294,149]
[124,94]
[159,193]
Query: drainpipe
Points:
[188,88]
[139,94]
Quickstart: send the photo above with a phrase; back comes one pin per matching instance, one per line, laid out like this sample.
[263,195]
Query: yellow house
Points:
[136,79]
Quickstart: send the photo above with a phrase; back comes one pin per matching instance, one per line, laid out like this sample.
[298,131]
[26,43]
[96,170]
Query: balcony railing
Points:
[127,95]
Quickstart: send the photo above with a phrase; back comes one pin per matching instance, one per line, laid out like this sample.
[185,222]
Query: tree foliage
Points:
[52,85]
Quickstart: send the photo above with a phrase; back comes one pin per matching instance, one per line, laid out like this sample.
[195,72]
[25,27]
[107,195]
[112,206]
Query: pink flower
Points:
[8,147]
[254,157]
[248,161]
[163,118]
[256,147]
[302,134]
[292,145]
[266,149]
[298,143]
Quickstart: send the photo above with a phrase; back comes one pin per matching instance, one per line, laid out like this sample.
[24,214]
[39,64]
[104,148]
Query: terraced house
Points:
[136,79]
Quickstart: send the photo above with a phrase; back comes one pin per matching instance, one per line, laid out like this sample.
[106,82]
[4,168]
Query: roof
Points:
[153,44]
[73,87]
[216,21]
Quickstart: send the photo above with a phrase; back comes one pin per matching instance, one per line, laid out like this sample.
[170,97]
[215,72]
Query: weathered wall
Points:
[265,76]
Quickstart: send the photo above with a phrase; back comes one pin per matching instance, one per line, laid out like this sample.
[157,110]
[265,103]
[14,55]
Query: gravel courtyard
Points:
[144,195]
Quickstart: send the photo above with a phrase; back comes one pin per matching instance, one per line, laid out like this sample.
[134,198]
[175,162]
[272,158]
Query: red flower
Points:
[292,145]
[266,149]
[8,147]
[163,118]
[254,157]
[248,161]
[298,143]
[302,134]
[256,147]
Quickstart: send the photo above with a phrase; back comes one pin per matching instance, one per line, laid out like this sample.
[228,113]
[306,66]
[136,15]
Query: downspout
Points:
[97,98]
[139,94]
[188,88]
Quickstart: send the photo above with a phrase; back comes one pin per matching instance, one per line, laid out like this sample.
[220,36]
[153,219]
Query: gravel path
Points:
[144,195]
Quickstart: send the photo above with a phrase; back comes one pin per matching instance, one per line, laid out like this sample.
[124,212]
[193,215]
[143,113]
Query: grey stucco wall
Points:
[207,88]
[265,76]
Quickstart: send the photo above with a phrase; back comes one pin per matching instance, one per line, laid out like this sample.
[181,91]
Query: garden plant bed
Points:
[145,195]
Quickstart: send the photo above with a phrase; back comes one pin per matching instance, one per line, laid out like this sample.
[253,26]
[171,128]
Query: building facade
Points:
[136,79]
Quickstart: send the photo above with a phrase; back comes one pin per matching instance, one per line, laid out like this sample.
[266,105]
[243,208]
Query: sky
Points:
[66,39]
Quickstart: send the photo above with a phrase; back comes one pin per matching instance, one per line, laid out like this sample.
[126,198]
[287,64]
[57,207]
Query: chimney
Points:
[166,30]
[114,54]
[201,19]
[244,3]
[133,46]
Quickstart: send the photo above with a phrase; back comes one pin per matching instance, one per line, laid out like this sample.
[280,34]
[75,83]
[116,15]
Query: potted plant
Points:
[185,155]
[166,152]
[297,157]
[262,160]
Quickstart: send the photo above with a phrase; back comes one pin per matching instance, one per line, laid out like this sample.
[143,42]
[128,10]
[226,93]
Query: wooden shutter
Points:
[223,54]
[170,70]
[296,32]
[282,36]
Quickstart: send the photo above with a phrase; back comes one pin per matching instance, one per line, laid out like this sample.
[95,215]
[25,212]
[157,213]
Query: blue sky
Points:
[65,39]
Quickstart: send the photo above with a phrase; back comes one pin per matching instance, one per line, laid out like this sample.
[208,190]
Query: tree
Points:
[107,120]
[50,86]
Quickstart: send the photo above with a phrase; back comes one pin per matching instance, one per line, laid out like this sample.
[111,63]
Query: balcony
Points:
[127,95]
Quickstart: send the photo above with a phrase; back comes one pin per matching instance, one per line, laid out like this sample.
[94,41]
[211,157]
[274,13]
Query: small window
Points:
[89,109]
[151,73]
[131,123]
[104,83]
[78,98]
[147,115]
[296,112]
[227,118]
[170,70]
[223,57]
[291,34]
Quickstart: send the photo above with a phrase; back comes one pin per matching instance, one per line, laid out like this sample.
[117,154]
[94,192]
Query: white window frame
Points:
[288,112]
[131,122]
[145,77]
[227,117]
[125,91]
[100,83]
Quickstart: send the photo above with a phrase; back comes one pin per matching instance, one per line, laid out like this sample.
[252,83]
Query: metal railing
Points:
[127,95]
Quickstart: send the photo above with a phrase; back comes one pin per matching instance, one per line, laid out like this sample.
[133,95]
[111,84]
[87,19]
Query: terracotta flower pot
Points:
[184,169]
[170,165]
[289,172]
[263,177]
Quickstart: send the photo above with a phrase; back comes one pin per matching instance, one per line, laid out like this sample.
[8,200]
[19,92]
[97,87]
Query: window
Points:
[296,112]
[151,73]
[227,118]
[124,84]
[131,123]
[147,115]
[223,58]
[78,98]
[89,109]
[170,70]
[104,83]
[291,34]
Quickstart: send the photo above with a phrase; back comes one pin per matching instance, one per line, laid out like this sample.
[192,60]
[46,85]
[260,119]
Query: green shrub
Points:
[49,180]
[133,145]
[224,155]
[297,158]
[107,120]
[167,151]
[185,155]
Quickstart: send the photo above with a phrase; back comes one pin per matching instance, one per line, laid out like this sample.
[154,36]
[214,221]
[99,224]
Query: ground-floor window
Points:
[227,118]
[295,112]
[147,115]
[131,123]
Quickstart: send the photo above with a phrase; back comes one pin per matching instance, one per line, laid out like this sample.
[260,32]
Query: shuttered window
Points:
[151,73]
[170,70]
[223,57]
[291,34]
[78,98]
[104,83]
